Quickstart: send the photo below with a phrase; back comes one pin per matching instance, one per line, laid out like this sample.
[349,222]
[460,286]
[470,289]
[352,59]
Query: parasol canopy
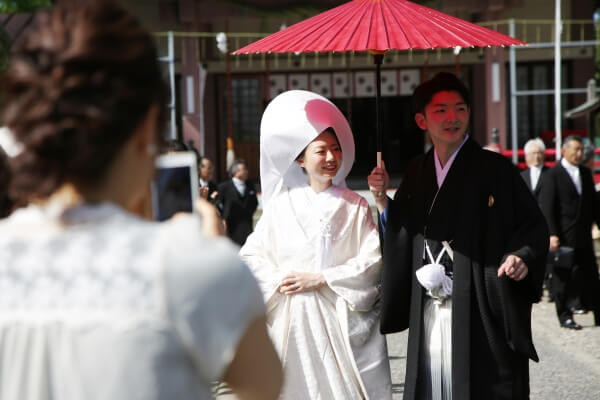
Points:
[378,26]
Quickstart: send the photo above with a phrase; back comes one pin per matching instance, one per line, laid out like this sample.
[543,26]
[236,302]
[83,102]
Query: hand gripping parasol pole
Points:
[378,58]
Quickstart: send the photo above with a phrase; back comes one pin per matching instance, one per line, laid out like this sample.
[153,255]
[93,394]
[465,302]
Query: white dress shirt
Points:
[534,174]
[573,172]
[239,185]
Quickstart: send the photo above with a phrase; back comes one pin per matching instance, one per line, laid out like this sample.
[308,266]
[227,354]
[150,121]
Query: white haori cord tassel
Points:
[436,357]
[433,276]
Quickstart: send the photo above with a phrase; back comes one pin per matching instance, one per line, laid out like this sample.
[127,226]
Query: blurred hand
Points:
[379,181]
[211,222]
[297,282]
[554,243]
[214,195]
[203,192]
[143,206]
[514,268]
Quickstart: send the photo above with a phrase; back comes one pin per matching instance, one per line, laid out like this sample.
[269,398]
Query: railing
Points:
[550,159]
[535,31]
[576,32]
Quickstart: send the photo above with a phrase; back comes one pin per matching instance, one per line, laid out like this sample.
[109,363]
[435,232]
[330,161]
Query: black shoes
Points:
[570,324]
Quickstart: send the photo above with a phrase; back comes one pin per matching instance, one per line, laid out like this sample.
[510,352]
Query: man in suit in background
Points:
[568,201]
[534,157]
[208,189]
[238,202]
[532,175]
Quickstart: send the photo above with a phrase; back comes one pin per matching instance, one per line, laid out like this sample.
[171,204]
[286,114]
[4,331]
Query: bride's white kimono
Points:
[328,339]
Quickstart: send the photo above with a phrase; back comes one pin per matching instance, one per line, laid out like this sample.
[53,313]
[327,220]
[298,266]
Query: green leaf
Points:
[14,6]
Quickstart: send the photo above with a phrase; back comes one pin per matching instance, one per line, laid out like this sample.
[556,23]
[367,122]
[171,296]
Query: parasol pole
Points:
[378,59]
[230,154]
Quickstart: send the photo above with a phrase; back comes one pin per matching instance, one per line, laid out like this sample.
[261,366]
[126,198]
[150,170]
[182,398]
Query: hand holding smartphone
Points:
[175,185]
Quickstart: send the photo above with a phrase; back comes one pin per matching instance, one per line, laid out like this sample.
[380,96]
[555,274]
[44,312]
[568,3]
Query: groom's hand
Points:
[379,181]
[514,268]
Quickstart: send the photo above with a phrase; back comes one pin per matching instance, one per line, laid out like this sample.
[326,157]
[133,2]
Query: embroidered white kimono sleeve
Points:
[356,274]
[328,339]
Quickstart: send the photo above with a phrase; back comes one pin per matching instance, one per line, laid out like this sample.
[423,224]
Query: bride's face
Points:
[322,157]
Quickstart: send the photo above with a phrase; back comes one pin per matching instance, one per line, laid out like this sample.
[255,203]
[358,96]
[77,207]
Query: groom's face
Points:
[446,118]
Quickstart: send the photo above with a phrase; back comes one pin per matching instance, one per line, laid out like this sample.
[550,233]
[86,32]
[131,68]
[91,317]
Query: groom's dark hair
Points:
[441,82]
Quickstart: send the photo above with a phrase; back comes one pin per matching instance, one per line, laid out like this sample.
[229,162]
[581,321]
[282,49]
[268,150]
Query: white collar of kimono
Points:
[441,172]
[321,203]
[290,122]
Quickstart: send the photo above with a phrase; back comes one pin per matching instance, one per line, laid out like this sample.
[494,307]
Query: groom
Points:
[466,215]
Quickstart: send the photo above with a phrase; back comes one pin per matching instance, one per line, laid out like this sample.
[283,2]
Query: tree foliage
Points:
[14,6]
[5,44]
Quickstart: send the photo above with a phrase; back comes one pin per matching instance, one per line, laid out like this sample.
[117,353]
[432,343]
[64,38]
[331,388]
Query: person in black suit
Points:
[238,201]
[577,301]
[534,157]
[569,203]
[208,188]
[464,253]
[532,175]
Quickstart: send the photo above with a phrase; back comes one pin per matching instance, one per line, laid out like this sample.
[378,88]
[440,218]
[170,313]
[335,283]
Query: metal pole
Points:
[557,76]
[229,95]
[513,92]
[596,19]
[547,92]
[378,58]
[171,40]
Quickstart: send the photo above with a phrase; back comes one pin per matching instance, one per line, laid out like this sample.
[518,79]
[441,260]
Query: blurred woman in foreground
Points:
[96,303]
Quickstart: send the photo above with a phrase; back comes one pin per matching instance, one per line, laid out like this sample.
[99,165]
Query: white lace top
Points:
[98,304]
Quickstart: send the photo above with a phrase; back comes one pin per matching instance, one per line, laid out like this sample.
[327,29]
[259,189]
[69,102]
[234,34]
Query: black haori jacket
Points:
[488,211]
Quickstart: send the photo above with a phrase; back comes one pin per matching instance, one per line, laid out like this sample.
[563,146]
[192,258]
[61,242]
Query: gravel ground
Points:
[569,367]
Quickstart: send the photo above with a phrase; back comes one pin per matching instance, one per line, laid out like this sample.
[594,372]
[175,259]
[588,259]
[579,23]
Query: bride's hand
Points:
[297,282]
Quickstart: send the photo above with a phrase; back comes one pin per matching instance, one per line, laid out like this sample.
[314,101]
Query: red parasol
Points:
[378,26]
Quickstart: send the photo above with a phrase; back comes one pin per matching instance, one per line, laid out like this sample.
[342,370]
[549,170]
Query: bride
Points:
[315,252]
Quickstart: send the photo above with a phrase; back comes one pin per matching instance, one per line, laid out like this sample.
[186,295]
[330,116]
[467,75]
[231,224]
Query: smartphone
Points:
[175,185]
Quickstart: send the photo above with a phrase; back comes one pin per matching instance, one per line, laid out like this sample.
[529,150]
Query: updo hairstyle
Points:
[83,79]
